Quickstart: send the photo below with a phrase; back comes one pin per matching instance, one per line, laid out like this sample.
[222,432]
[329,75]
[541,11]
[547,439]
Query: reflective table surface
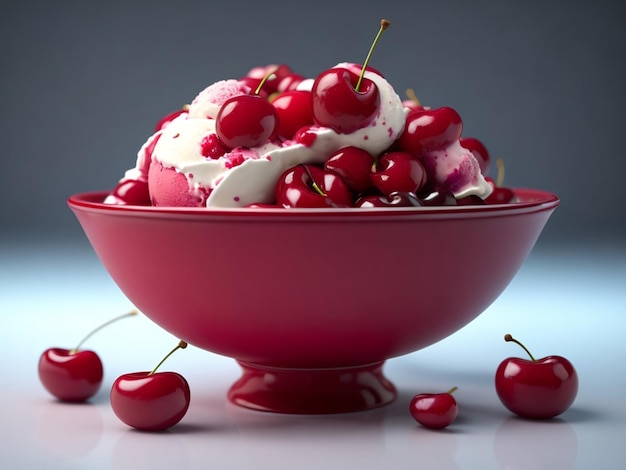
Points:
[565,301]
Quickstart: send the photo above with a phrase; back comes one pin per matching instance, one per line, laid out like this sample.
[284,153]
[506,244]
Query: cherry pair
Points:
[148,401]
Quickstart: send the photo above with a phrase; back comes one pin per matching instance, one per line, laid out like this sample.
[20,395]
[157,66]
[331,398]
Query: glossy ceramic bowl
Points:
[312,302]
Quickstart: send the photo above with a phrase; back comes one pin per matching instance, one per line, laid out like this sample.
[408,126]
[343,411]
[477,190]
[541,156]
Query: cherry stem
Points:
[410,94]
[508,337]
[500,176]
[181,345]
[129,314]
[384,24]
[452,390]
[265,79]
[317,189]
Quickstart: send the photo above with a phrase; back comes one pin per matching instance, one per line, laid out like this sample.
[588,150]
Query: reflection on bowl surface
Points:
[313,289]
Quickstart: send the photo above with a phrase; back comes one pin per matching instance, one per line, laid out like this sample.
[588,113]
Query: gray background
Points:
[540,82]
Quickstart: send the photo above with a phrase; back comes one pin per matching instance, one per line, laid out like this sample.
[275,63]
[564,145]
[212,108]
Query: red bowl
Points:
[312,302]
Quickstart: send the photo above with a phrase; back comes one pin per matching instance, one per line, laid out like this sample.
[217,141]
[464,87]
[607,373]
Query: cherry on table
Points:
[434,410]
[151,401]
[73,375]
[536,388]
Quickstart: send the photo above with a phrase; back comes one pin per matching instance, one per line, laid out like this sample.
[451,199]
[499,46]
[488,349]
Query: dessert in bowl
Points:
[311,253]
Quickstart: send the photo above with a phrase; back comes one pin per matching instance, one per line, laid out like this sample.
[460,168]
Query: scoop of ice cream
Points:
[209,101]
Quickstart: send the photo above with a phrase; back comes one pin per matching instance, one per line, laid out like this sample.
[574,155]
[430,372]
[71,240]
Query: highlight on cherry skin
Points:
[151,401]
[73,375]
[536,388]
[434,410]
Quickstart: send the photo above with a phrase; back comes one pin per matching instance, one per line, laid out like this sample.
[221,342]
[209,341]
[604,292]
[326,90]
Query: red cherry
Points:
[341,107]
[436,195]
[254,83]
[395,199]
[434,410]
[151,401]
[430,129]
[354,165]
[70,375]
[246,121]
[536,388]
[134,192]
[398,171]
[312,186]
[165,120]
[290,82]
[272,74]
[73,375]
[479,151]
[412,103]
[343,100]
[500,194]
[294,112]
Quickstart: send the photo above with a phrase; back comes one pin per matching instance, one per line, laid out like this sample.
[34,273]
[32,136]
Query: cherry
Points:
[246,120]
[272,74]
[500,193]
[479,151]
[165,120]
[71,374]
[471,200]
[536,388]
[395,199]
[343,100]
[430,129]
[312,186]
[151,401]
[290,82]
[412,103]
[354,165]
[434,410]
[133,192]
[436,195]
[398,171]
[294,112]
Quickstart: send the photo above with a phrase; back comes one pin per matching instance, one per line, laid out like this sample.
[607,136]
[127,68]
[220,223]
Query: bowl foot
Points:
[312,391]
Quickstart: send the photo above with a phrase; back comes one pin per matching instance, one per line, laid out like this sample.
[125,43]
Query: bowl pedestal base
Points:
[312,391]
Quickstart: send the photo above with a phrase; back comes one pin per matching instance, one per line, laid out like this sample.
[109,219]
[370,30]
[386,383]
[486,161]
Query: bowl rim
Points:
[530,200]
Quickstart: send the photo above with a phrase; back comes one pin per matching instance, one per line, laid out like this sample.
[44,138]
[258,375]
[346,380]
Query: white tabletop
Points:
[564,301]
